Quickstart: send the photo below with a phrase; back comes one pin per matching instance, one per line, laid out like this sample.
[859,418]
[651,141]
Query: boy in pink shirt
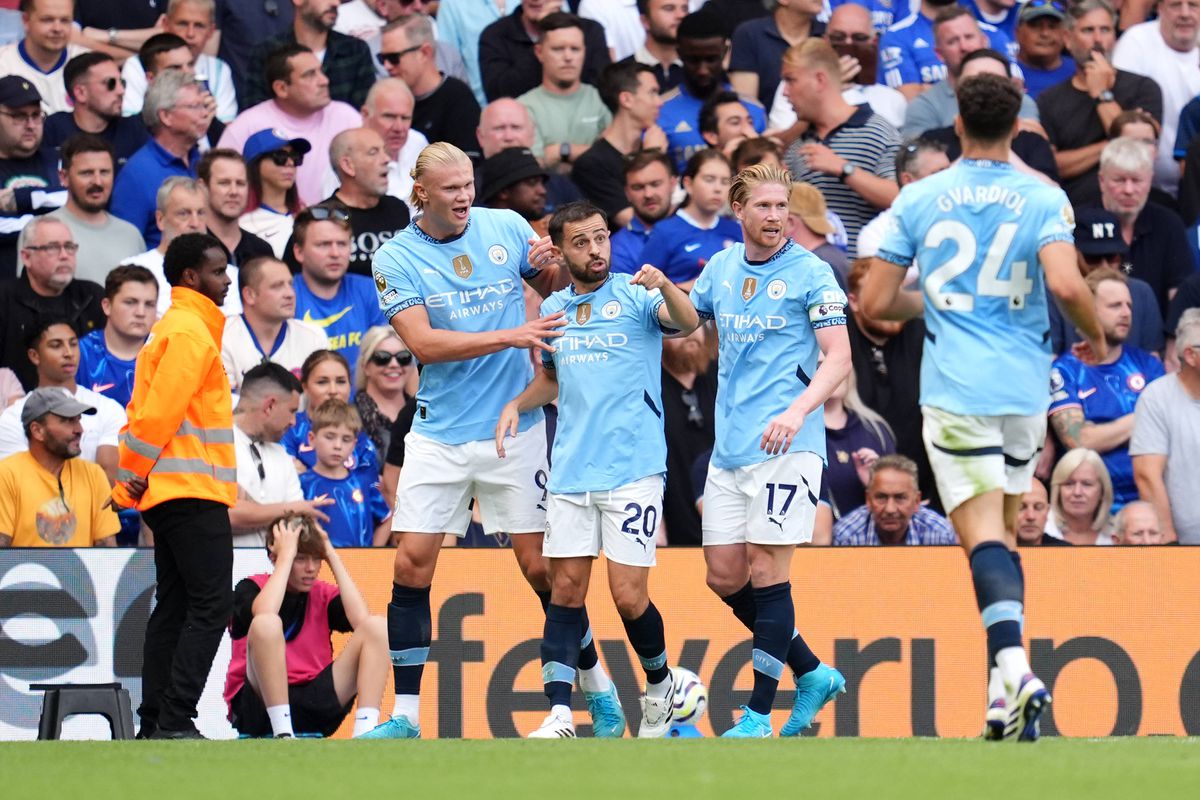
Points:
[283,677]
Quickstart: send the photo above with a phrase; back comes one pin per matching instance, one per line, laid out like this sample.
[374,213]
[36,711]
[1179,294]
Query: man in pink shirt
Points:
[300,107]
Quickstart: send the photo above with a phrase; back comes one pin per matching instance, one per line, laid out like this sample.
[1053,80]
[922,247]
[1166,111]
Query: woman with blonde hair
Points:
[1081,498]
[385,383]
[855,437]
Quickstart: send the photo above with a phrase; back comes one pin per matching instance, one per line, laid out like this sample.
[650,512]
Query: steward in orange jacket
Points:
[180,431]
[177,466]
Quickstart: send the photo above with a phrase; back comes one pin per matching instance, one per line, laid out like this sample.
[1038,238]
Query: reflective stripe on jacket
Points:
[180,430]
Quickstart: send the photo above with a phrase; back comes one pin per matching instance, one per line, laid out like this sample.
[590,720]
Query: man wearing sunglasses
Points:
[95,85]
[445,108]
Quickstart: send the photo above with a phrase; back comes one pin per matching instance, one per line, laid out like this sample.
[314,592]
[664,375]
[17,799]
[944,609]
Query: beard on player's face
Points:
[592,268]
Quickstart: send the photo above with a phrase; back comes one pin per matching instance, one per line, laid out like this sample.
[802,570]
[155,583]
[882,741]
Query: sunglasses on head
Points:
[322,213]
[1043,3]
[282,157]
[381,358]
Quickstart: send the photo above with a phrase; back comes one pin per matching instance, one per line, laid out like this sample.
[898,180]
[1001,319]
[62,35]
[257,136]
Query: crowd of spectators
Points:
[288,131]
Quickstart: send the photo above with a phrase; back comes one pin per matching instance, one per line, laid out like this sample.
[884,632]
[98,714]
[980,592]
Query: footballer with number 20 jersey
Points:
[765,314]
[608,365]
[987,346]
[471,283]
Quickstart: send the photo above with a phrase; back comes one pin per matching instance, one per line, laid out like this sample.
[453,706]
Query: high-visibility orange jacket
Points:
[180,431]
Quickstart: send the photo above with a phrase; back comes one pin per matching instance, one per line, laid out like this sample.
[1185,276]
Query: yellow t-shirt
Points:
[35,514]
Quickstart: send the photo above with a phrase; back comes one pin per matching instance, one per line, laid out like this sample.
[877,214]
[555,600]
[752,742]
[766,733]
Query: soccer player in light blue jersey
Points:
[777,309]
[451,285]
[609,458]
[978,231]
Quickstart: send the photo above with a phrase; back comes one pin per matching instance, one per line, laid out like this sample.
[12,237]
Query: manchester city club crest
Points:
[498,254]
[776,289]
[749,287]
[583,312]
[462,266]
[610,310]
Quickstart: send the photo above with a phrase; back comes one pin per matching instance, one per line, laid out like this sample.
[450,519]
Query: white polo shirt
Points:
[277,483]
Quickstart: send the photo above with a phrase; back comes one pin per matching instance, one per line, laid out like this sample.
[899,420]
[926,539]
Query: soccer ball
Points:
[691,696]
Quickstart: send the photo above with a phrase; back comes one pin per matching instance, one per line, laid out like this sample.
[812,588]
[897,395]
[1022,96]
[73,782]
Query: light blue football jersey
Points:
[975,231]
[609,367]
[766,314]
[470,283]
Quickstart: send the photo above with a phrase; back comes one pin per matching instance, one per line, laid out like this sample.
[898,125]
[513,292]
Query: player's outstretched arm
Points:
[677,311]
[881,296]
[357,611]
[1074,298]
[540,391]
[434,345]
[835,346]
[287,536]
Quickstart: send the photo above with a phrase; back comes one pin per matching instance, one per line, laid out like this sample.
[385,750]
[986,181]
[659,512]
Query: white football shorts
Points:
[621,522]
[438,482]
[973,455]
[773,502]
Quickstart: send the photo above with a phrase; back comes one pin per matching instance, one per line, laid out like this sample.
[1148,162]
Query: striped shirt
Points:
[870,143]
[857,529]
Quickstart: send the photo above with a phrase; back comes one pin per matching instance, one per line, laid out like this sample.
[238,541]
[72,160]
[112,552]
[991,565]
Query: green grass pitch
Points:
[872,769]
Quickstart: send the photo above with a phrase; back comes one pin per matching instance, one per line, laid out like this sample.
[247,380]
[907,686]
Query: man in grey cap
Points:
[25,165]
[49,497]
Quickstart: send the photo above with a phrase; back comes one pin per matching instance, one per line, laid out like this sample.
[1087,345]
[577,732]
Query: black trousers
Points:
[193,561]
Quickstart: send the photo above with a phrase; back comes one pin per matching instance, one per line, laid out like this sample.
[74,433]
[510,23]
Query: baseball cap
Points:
[1041,8]
[1098,233]
[58,401]
[808,204]
[270,140]
[509,166]
[16,92]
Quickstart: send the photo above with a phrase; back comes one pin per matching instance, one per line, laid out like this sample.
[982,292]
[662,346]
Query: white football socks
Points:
[408,706]
[996,689]
[281,720]
[594,679]
[1013,666]
[365,719]
[659,690]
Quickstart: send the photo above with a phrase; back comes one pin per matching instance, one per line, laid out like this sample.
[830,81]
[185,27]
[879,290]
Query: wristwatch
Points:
[1106,97]
[847,170]
[564,152]
[112,36]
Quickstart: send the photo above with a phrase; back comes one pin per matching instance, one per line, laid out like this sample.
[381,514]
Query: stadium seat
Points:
[108,700]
